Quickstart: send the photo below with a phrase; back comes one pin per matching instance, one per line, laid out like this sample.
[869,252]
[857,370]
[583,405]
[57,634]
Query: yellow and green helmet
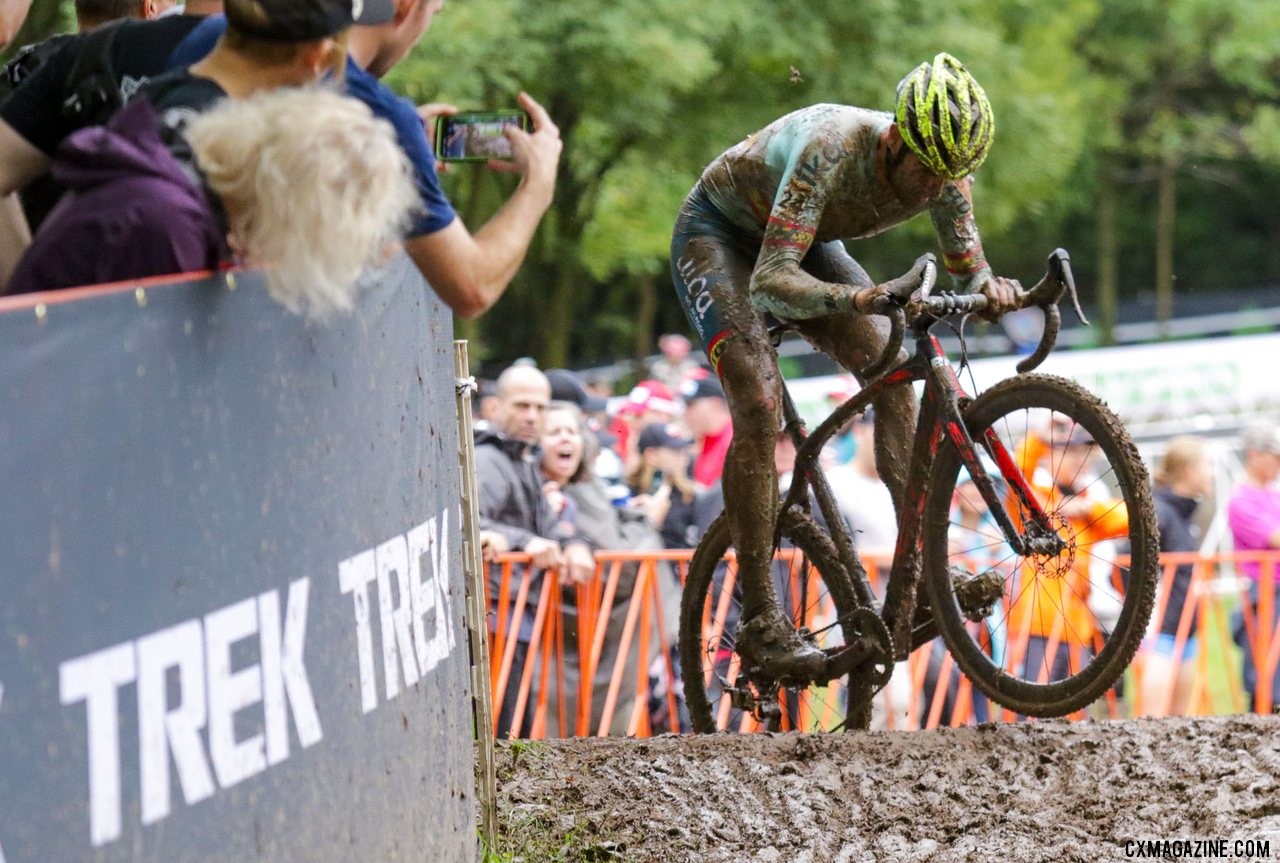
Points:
[944,117]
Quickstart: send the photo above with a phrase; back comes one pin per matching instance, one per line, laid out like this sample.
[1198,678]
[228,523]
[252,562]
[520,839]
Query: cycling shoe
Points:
[768,642]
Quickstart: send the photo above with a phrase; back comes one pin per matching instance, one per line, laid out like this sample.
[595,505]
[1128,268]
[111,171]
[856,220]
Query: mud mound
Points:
[1039,791]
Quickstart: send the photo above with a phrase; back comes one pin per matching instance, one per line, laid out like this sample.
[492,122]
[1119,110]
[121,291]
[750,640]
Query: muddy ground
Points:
[1039,791]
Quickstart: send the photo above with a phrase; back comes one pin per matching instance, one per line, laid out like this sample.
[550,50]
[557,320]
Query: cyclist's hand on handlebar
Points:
[1003,295]
[875,300]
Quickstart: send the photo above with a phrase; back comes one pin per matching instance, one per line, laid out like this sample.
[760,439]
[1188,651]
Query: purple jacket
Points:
[131,211]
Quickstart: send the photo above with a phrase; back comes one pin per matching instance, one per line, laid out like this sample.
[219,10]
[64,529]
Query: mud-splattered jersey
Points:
[812,176]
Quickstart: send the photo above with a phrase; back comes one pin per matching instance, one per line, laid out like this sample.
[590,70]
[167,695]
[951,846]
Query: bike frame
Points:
[941,408]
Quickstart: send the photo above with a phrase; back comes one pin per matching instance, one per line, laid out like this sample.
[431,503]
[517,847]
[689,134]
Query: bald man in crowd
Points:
[515,515]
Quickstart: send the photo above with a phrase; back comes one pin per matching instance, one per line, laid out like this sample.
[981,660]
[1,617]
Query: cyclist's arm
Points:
[952,215]
[778,283]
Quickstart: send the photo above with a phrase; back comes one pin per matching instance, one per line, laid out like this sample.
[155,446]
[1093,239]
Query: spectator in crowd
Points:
[267,44]
[1183,478]
[469,271]
[606,464]
[268,47]
[39,197]
[485,404]
[1254,516]
[862,496]
[706,415]
[599,386]
[1054,611]
[648,402]
[515,515]
[79,84]
[675,363]
[661,486]
[271,174]
[567,455]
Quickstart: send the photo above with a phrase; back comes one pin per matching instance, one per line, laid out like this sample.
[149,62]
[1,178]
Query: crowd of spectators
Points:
[640,470]
[113,167]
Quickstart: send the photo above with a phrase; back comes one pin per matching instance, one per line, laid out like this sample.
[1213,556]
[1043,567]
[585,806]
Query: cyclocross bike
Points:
[1041,611]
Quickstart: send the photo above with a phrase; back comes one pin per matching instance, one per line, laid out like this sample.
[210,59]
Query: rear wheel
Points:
[814,594]
[1066,624]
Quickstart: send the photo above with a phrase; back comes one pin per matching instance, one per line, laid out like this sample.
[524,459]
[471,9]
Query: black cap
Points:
[662,435]
[567,387]
[289,20]
[702,388]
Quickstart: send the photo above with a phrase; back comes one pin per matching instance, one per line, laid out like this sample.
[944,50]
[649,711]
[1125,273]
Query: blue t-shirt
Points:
[437,213]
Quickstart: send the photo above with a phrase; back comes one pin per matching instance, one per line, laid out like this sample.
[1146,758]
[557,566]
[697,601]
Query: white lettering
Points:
[420,539]
[285,677]
[162,730]
[229,692]
[411,646]
[354,576]
[94,679]
[393,556]
[437,590]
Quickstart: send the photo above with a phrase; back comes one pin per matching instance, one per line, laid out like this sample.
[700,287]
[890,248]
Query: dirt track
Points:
[1040,791]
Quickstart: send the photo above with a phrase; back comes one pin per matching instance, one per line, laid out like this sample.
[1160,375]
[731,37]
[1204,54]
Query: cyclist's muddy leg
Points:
[749,372]
[712,279]
[856,341]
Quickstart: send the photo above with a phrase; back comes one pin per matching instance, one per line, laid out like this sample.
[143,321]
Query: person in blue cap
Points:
[470,271]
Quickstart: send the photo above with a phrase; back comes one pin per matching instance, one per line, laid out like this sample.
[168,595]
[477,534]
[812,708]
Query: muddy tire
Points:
[813,591]
[1068,625]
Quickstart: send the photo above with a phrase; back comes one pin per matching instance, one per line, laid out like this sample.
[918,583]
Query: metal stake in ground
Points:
[486,781]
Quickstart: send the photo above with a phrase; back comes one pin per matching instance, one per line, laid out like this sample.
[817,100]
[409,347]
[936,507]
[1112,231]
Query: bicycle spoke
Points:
[1065,624]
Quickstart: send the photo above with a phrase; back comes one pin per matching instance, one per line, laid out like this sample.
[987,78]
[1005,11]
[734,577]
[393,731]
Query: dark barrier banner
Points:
[231,595]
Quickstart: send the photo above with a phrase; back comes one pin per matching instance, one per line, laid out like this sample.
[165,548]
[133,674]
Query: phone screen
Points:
[477,136]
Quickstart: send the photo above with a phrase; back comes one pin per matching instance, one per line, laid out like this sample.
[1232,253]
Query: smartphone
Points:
[477,136]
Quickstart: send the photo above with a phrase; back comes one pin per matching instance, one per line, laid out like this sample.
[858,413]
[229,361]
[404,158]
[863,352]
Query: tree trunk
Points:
[1166,214]
[1108,255]
[646,315]
[559,317]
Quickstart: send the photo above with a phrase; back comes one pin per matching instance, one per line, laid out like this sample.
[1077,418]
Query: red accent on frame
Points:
[1013,474]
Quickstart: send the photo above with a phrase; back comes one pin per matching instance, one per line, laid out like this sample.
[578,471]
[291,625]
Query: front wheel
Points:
[1066,624]
[814,594]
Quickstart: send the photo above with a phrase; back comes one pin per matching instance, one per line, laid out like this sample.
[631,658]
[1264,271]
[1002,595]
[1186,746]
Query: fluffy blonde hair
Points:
[313,184]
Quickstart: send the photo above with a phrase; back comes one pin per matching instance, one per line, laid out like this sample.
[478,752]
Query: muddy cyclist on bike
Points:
[762,232]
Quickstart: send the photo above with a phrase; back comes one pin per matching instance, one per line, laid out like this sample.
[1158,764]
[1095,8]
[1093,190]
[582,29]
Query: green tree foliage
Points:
[45,18]
[1087,92]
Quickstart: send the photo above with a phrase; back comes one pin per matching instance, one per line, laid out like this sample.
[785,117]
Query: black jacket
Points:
[1177,533]
[510,485]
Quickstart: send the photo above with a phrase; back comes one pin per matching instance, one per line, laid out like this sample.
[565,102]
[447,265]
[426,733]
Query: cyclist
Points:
[761,232]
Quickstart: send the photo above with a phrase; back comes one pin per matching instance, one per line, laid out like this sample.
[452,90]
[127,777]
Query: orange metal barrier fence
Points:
[601,659]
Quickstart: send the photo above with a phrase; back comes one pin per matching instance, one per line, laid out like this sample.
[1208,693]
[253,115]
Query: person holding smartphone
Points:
[469,271]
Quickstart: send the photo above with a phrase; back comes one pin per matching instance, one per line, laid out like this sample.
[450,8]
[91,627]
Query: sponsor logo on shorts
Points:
[715,350]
